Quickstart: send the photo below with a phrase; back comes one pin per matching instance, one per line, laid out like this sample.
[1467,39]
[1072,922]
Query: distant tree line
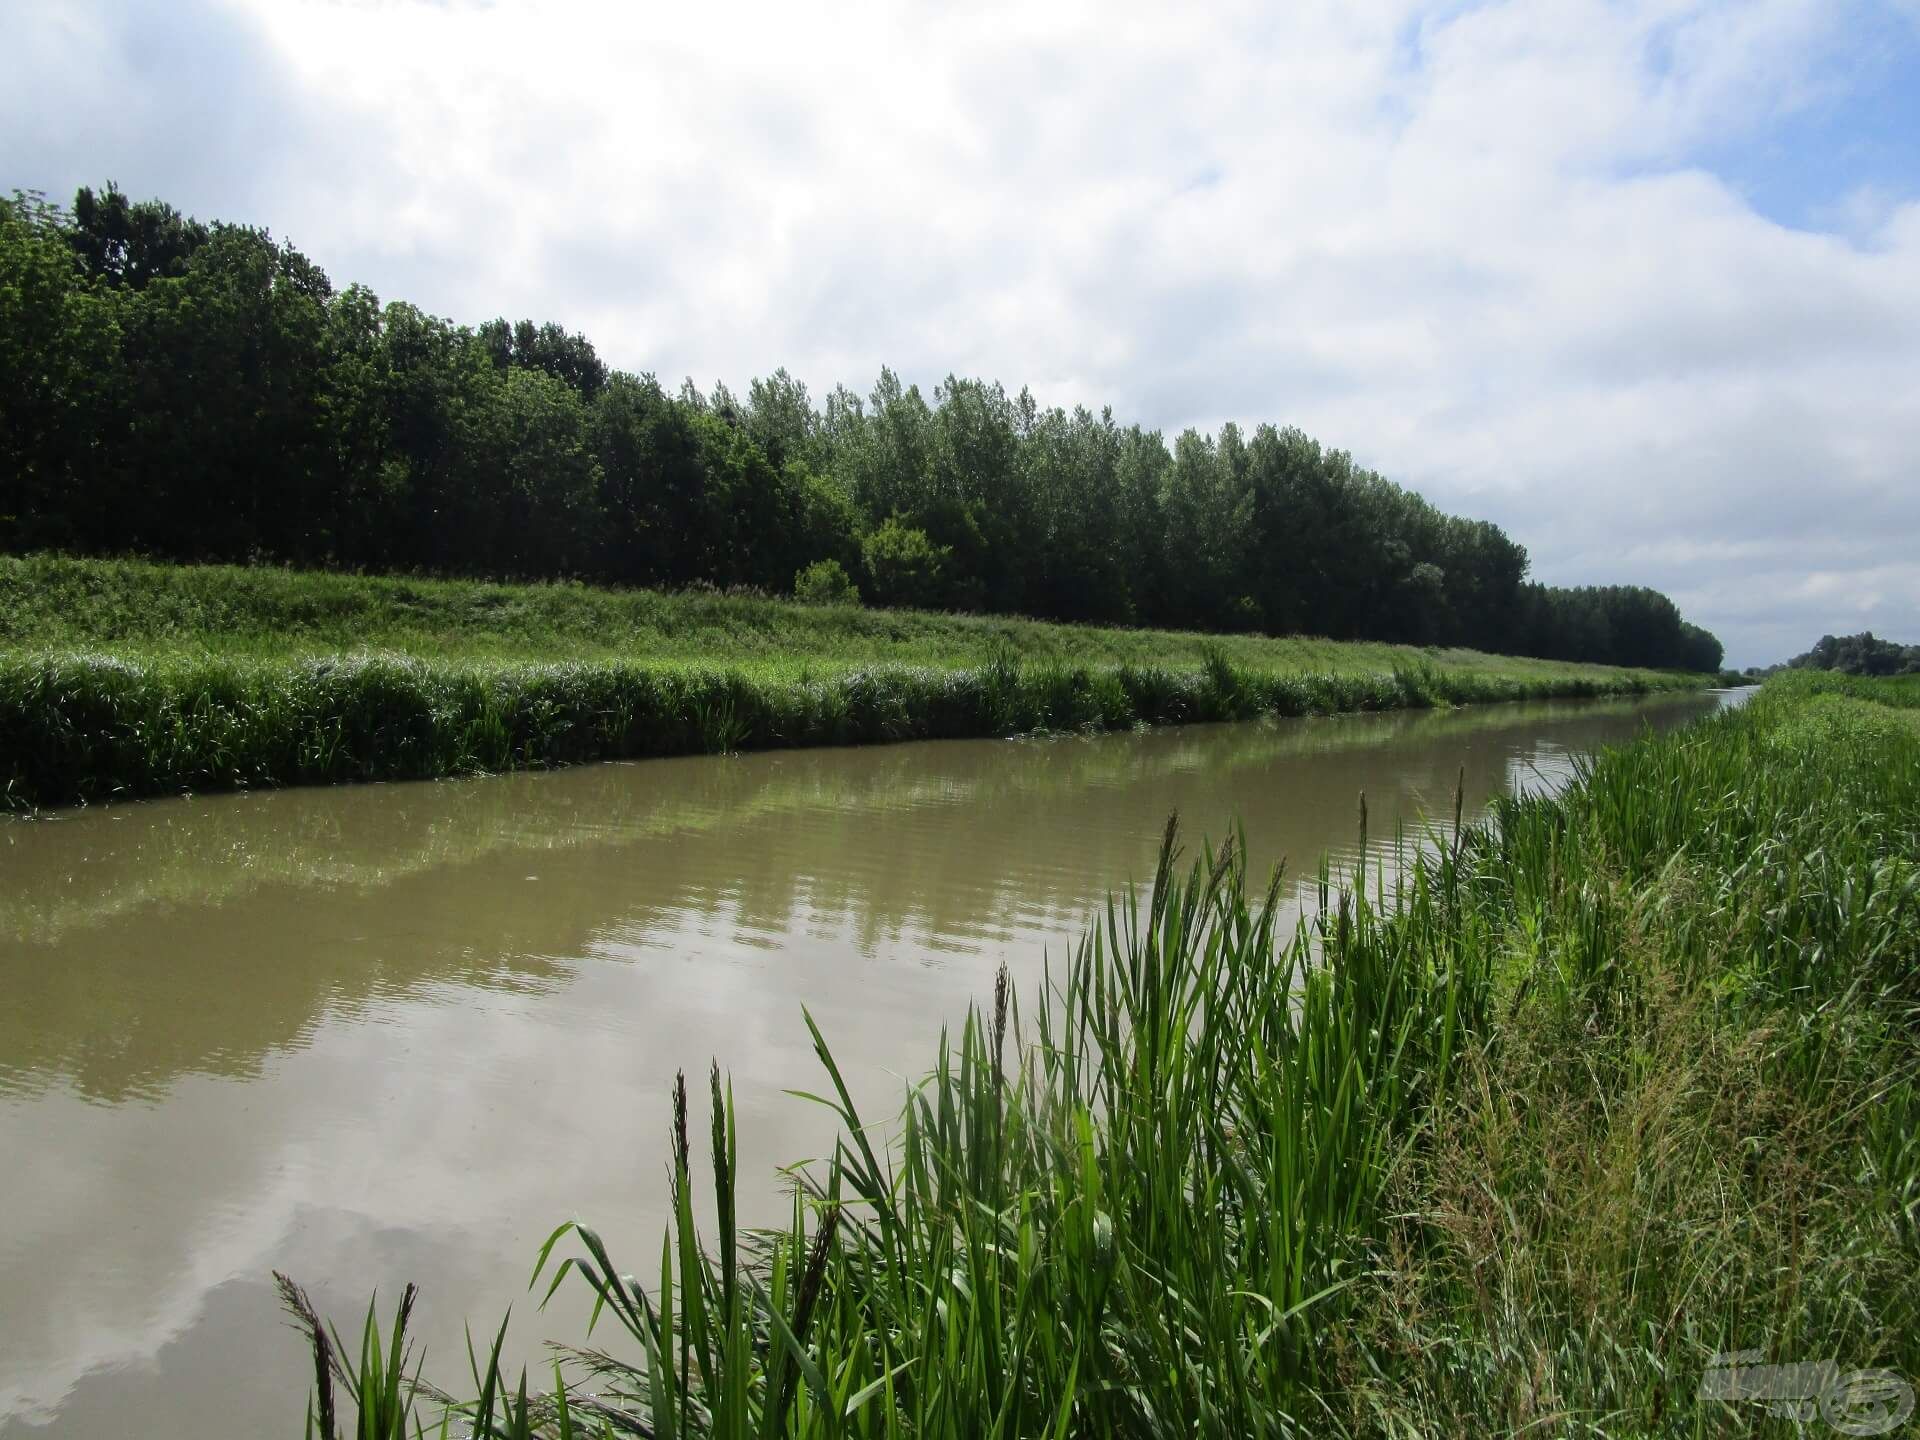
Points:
[1862,654]
[203,392]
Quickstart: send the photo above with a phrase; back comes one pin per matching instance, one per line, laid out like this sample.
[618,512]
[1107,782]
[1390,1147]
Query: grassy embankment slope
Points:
[130,678]
[1623,1079]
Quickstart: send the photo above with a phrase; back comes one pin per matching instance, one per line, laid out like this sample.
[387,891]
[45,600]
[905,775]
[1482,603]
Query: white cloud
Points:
[1468,243]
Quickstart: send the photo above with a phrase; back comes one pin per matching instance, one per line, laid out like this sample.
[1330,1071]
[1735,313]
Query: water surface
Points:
[397,1032]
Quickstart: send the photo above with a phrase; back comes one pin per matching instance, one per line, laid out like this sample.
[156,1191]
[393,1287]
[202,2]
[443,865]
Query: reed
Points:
[1577,1098]
[88,727]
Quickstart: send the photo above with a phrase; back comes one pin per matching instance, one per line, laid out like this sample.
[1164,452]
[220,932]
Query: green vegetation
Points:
[1862,654]
[203,393]
[1900,693]
[1624,1079]
[120,677]
[825,583]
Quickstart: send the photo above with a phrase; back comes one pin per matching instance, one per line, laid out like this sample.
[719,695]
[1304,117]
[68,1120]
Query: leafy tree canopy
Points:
[203,391]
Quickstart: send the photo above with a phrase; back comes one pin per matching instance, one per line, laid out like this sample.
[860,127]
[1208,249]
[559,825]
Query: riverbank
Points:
[122,678]
[1615,1084]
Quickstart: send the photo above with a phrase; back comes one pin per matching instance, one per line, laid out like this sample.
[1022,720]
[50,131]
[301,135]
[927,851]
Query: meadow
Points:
[1521,1141]
[122,678]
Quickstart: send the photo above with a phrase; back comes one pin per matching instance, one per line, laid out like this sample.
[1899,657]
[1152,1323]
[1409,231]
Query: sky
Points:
[1637,279]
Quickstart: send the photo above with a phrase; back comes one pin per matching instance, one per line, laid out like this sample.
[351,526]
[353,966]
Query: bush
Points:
[825,582]
[906,568]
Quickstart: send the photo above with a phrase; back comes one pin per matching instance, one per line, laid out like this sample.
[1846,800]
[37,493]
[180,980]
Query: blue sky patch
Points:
[1859,132]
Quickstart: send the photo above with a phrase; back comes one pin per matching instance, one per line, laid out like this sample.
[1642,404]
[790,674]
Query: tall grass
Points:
[1618,1081]
[81,727]
[1692,1130]
[139,609]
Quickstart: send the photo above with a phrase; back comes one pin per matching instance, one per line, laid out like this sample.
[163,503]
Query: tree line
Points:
[1862,654]
[202,391]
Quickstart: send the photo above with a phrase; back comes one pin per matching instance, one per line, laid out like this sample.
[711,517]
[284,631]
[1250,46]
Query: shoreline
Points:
[129,678]
[84,728]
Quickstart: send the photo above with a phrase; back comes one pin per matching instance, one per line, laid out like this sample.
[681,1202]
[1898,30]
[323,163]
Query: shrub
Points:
[906,568]
[825,582]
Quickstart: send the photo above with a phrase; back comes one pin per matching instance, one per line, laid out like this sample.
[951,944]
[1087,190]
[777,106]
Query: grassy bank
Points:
[1624,1079]
[125,678]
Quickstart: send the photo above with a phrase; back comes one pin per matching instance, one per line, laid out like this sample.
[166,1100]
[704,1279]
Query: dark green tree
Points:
[201,391]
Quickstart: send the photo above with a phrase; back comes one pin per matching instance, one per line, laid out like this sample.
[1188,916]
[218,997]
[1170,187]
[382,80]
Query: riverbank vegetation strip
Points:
[1517,1141]
[125,678]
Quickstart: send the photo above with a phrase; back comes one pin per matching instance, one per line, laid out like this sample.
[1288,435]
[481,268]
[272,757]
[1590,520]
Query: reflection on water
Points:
[398,1032]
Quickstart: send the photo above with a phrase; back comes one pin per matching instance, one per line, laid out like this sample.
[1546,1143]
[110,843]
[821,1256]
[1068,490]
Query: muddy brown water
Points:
[398,1032]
